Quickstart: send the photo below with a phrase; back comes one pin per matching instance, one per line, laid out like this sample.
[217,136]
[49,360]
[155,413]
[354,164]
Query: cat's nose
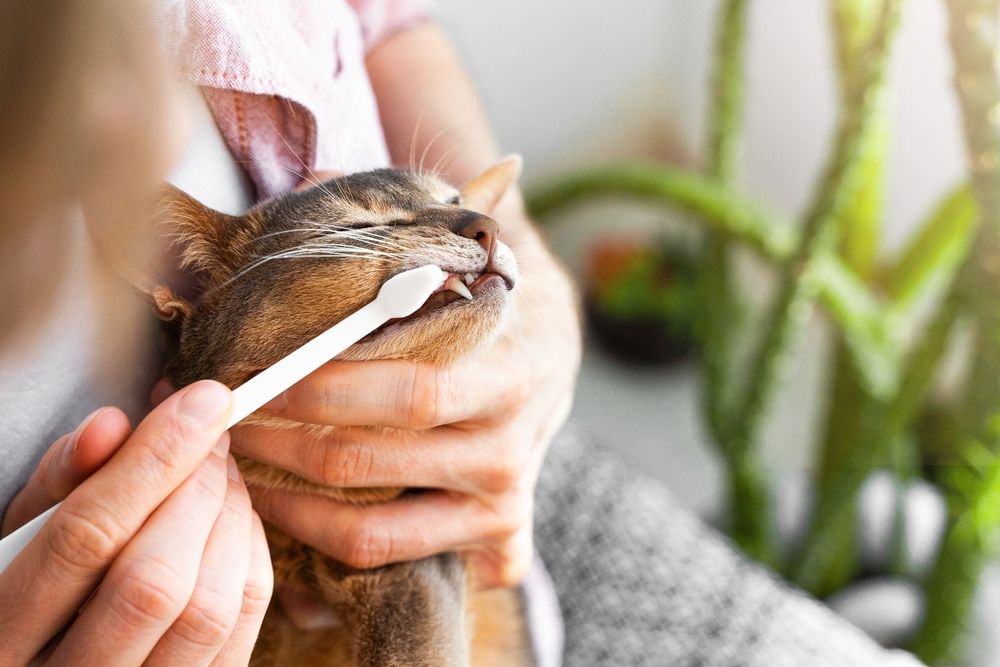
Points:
[479,228]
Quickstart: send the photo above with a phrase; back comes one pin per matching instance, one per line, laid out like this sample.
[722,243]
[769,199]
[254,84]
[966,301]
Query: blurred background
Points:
[573,88]
[630,79]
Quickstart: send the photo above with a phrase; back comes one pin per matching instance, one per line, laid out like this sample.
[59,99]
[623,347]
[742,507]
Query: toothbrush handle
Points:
[12,545]
[248,397]
[261,388]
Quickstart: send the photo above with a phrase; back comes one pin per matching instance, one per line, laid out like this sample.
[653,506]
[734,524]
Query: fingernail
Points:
[233,470]
[278,403]
[69,449]
[221,448]
[207,403]
[161,392]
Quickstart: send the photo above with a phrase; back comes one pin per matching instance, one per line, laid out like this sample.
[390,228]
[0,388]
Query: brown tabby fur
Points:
[421,613]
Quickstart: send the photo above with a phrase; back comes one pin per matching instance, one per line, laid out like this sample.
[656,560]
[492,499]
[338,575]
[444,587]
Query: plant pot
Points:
[639,300]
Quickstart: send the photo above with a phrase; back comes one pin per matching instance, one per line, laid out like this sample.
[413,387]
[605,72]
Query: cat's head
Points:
[292,267]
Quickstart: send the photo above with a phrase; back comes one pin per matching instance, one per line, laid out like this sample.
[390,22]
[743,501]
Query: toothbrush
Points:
[399,296]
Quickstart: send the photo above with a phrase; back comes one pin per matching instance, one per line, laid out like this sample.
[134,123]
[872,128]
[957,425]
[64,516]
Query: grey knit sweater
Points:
[642,582]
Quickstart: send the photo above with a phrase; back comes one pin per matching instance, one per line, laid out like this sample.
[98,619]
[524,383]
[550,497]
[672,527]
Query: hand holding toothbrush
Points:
[158,522]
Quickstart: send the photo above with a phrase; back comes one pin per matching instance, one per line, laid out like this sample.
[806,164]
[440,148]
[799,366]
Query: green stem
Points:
[718,307]
[732,215]
[796,289]
[974,522]
[973,31]
[820,548]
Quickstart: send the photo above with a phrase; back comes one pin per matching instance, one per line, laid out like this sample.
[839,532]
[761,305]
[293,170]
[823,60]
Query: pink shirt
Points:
[286,81]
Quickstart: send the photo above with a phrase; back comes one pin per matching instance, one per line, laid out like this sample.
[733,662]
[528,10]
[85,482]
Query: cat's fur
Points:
[282,274]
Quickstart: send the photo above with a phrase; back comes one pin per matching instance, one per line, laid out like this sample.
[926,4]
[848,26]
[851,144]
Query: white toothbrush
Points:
[399,296]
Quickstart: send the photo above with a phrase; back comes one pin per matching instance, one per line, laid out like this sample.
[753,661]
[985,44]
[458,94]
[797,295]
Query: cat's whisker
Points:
[311,251]
[427,147]
[413,139]
[456,149]
[311,180]
[446,158]
[315,180]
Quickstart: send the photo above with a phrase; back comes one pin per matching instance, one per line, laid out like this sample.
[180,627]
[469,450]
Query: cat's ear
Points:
[167,305]
[201,235]
[482,193]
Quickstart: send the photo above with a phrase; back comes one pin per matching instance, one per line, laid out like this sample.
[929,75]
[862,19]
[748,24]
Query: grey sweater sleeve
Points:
[642,582]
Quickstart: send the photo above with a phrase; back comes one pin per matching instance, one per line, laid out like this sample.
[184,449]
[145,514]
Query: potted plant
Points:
[639,299]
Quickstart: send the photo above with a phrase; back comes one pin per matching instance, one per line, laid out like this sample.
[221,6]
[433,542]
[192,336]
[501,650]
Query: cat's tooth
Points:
[469,279]
[455,284]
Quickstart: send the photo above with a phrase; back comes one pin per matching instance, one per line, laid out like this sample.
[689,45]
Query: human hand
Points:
[159,523]
[473,434]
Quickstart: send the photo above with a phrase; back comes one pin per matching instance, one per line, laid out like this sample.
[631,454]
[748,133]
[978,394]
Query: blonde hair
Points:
[86,123]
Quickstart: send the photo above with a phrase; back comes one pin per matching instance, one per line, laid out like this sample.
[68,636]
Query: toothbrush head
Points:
[405,292]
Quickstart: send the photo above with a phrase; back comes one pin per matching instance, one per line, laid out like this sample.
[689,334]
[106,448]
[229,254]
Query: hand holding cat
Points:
[154,523]
[473,434]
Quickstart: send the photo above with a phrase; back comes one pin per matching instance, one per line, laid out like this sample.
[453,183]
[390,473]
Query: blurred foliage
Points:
[894,321]
[650,283]
[640,299]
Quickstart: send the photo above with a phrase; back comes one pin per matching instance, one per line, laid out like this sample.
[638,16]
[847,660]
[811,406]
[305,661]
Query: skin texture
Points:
[154,517]
[284,273]
[476,430]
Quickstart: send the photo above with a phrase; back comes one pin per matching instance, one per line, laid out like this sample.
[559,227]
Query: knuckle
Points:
[514,396]
[83,540]
[257,592]
[346,465]
[207,621]
[511,570]
[162,449]
[420,393]
[505,470]
[512,513]
[502,475]
[367,545]
[149,593]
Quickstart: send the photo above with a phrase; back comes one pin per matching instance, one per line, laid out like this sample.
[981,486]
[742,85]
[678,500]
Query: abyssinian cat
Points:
[282,274]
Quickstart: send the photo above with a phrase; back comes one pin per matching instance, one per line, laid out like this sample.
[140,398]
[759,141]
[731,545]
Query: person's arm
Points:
[478,430]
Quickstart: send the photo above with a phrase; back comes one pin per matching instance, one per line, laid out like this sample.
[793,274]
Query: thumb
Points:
[69,461]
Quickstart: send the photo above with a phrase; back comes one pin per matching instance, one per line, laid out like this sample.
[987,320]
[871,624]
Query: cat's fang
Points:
[455,284]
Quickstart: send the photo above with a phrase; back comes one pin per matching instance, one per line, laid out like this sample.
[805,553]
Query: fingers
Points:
[502,563]
[470,459]
[152,580]
[398,530]
[401,394]
[210,617]
[72,459]
[256,597]
[51,578]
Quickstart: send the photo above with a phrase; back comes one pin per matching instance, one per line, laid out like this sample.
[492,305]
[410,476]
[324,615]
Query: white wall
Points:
[566,81]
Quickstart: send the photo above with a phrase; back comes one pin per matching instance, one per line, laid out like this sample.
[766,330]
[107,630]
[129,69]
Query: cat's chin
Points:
[444,333]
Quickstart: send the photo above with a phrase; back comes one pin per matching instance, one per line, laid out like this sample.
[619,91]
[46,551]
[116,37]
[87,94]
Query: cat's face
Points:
[293,267]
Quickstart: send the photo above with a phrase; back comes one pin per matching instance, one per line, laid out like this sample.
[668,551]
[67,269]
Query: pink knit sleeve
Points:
[382,18]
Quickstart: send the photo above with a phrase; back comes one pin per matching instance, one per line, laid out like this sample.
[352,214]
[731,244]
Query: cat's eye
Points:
[454,200]
[361,225]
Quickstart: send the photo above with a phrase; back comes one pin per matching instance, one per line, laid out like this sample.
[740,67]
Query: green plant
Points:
[886,355]
[654,284]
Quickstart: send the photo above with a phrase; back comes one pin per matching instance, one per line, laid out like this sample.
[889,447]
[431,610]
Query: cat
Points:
[285,272]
